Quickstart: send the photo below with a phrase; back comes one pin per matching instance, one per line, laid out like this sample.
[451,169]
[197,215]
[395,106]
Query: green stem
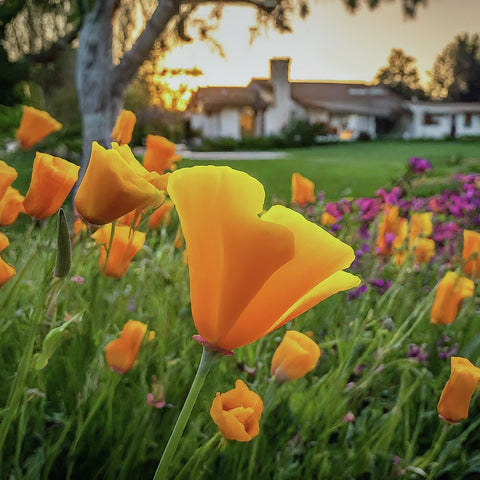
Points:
[208,357]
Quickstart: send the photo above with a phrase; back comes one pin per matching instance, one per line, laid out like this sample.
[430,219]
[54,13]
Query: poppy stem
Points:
[208,357]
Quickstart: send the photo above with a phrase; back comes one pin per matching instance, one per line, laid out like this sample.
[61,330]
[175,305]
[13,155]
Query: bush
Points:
[299,132]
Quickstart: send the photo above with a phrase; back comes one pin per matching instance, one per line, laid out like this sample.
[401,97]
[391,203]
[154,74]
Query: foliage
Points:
[401,75]
[369,405]
[455,75]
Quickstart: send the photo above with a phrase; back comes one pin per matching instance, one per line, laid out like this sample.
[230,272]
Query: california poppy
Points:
[123,129]
[451,292]
[420,224]
[122,352]
[392,231]
[423,249]
[35,125]
[457,393]
[302,190]
[6,270]
[295,356]
[52,180]
[116,254]
[471,253]
[237,413]
[7,176]
[160,154]
[113,187]
[327,219]
[250,274]
[160,214]
[11,204]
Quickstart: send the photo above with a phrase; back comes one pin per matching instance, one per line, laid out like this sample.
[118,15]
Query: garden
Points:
[168,319]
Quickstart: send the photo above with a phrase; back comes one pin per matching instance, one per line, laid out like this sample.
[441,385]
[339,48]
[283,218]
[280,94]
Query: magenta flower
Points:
[419,165]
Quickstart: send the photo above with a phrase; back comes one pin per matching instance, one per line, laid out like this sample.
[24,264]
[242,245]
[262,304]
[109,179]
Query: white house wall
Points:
[442,126]
[225,123]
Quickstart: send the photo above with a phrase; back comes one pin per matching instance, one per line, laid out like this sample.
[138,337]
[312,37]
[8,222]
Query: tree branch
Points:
[126,70]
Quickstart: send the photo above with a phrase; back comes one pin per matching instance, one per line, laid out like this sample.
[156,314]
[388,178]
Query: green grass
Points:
[65,415]
[354,169]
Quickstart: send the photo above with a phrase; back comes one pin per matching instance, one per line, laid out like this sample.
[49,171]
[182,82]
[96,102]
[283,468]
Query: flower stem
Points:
[208,357]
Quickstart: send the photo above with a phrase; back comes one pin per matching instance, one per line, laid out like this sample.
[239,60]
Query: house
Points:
[346,109]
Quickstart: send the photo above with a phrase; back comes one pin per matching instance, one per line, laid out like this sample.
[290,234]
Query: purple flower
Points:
[417,353]
[419,165]
[356,292]
[446,348]
[392,197]
[380,285]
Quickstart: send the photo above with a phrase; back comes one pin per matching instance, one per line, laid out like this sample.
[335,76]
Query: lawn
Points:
[83,396]
[355,169]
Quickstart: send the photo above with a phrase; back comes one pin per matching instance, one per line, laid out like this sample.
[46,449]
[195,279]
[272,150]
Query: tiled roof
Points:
[347,97]
[215,98]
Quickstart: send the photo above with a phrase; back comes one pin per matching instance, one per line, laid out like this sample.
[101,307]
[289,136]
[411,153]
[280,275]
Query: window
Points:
[247,121]
[430,119]
[468,120]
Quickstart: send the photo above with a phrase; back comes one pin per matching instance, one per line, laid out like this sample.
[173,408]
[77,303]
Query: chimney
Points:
[280,70]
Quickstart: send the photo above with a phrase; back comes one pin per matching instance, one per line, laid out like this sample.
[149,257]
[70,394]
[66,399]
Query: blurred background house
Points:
[346,111]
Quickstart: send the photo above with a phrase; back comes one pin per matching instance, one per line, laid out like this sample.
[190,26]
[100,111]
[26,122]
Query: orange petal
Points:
[112,188]
[457,393]
[123,129]
[35,125]
[231,251]
[7,176]
[52,180]
[451,291]
[298,284]
[296,355]
[11,205]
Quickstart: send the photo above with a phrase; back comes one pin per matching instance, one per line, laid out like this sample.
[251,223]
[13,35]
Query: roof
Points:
[215,98]
[347,97]
[445,108]
[336,97]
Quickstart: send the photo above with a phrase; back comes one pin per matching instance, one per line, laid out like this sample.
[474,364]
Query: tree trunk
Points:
[93,79]
[101,86]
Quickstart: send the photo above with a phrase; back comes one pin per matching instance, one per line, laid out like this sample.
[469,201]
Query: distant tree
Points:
[455,75]
[400,75]
[116,37]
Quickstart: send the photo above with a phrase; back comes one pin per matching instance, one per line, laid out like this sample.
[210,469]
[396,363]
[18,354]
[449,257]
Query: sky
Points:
[330,44]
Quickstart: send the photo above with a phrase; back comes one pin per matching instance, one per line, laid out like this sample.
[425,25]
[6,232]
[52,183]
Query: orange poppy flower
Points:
[124,246]
[424,249]
[303,190]
[11,204]
[451,292]
[52,180]
[392,231]
[4,243]
[471,253]
[123,129]
[420,224]
[113,186]
[237,413]
[35,125]
[160,154]
[160,214]
[6,270]
[7,176]
[250,274]
[457,393]
[327,219]
[122,352]
[295,356]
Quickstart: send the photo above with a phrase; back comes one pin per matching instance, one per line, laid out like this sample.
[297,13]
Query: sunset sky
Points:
[330,44]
